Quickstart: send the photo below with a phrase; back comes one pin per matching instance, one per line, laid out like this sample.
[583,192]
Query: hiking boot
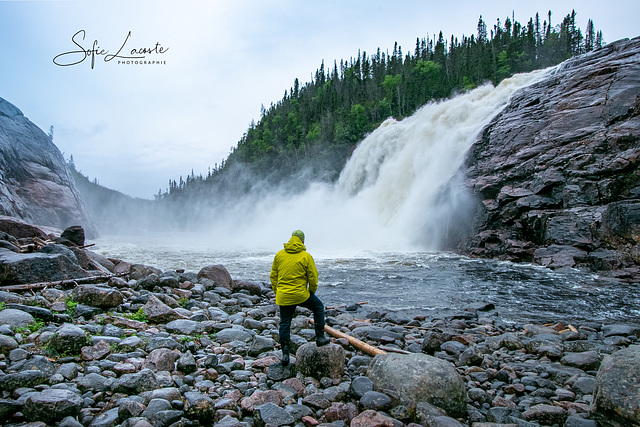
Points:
[322,340]
[285,355]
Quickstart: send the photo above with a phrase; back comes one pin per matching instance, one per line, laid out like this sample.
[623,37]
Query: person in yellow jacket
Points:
[294,279]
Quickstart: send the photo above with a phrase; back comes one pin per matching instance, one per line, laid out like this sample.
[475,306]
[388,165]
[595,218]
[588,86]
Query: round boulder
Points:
[617,391]
[68,338]
[319,362]
[420,377]
[217,273]
[15,318]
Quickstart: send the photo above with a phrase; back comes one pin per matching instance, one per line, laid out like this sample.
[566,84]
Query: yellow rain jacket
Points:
[293,273]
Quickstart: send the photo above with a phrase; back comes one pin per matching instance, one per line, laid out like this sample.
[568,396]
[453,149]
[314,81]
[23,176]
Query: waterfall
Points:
[400,190]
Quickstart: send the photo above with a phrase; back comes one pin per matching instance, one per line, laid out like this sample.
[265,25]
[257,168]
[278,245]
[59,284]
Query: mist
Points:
[402,189]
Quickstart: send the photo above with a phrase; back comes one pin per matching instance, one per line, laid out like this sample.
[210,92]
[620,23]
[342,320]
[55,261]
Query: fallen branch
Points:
[66,282]
[394,350]
[369,349]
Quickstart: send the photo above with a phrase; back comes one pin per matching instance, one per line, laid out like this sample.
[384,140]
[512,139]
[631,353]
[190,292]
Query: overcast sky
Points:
[135,127]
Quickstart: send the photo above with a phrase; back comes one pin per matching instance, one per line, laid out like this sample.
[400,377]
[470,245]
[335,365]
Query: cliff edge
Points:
[556,174]
[35,183]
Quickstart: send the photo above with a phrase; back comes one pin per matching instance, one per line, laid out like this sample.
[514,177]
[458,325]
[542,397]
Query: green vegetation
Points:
[71,306]
[3,305]
[316,124]
[139,315]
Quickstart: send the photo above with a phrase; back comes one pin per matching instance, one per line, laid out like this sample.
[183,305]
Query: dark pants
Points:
[314,304]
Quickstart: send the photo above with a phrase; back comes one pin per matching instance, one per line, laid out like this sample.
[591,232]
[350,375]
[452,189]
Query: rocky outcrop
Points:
[35,183]
[556,173]
[39,257]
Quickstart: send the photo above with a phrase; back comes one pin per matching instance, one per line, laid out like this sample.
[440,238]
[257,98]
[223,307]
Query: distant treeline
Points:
[316,124]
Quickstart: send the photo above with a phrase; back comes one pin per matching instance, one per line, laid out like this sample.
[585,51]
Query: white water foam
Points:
[389,195]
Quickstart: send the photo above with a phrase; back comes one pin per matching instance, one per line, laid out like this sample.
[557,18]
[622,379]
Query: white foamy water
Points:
[386,198]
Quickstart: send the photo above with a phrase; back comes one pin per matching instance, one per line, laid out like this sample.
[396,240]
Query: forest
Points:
[314,127]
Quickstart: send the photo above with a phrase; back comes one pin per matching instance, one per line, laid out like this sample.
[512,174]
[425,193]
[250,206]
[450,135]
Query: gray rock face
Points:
[35,183]
[556,174]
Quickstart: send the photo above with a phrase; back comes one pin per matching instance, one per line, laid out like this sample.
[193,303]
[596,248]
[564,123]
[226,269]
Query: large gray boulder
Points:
[35,182]
[418,378]
[217,273]
[617,393]
[556,174]
[37,267]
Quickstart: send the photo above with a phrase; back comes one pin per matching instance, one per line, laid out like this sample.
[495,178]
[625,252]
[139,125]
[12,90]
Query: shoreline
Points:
[505,368]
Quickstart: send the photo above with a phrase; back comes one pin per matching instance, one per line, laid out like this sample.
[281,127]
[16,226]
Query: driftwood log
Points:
[360,345]
[66,282]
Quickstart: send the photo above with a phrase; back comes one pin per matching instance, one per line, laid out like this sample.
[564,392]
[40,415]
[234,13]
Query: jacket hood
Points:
[294,245]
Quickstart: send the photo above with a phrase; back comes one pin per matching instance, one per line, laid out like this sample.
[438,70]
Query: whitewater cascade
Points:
[399,191]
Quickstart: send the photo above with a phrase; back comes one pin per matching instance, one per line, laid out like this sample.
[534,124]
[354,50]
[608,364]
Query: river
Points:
[433,284]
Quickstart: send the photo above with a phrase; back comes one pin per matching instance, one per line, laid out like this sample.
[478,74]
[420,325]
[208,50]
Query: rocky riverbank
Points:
[144,347]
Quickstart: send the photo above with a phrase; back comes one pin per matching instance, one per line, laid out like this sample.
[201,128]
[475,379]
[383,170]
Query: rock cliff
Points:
[35,183]
[556,174]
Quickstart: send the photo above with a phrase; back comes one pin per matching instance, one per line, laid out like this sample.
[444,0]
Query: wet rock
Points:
[92,382]
[587,361]
[546,414]
[97,296]
[376,401]
[106,419]
[370,418]
[187,363]
[260,398]
[7,344]
[74,234]
[621,330]
[419,377]
[553,206]
[136,383]
[198,406]
[269,414]
[318,362]
[159,312]
[37,267]
[69,339]
[184,326]
[617,392]
[359,386]
[28,378]
[234,334]
[98,351]
[52,405]
[15,318]
[161,359]
[218,274]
